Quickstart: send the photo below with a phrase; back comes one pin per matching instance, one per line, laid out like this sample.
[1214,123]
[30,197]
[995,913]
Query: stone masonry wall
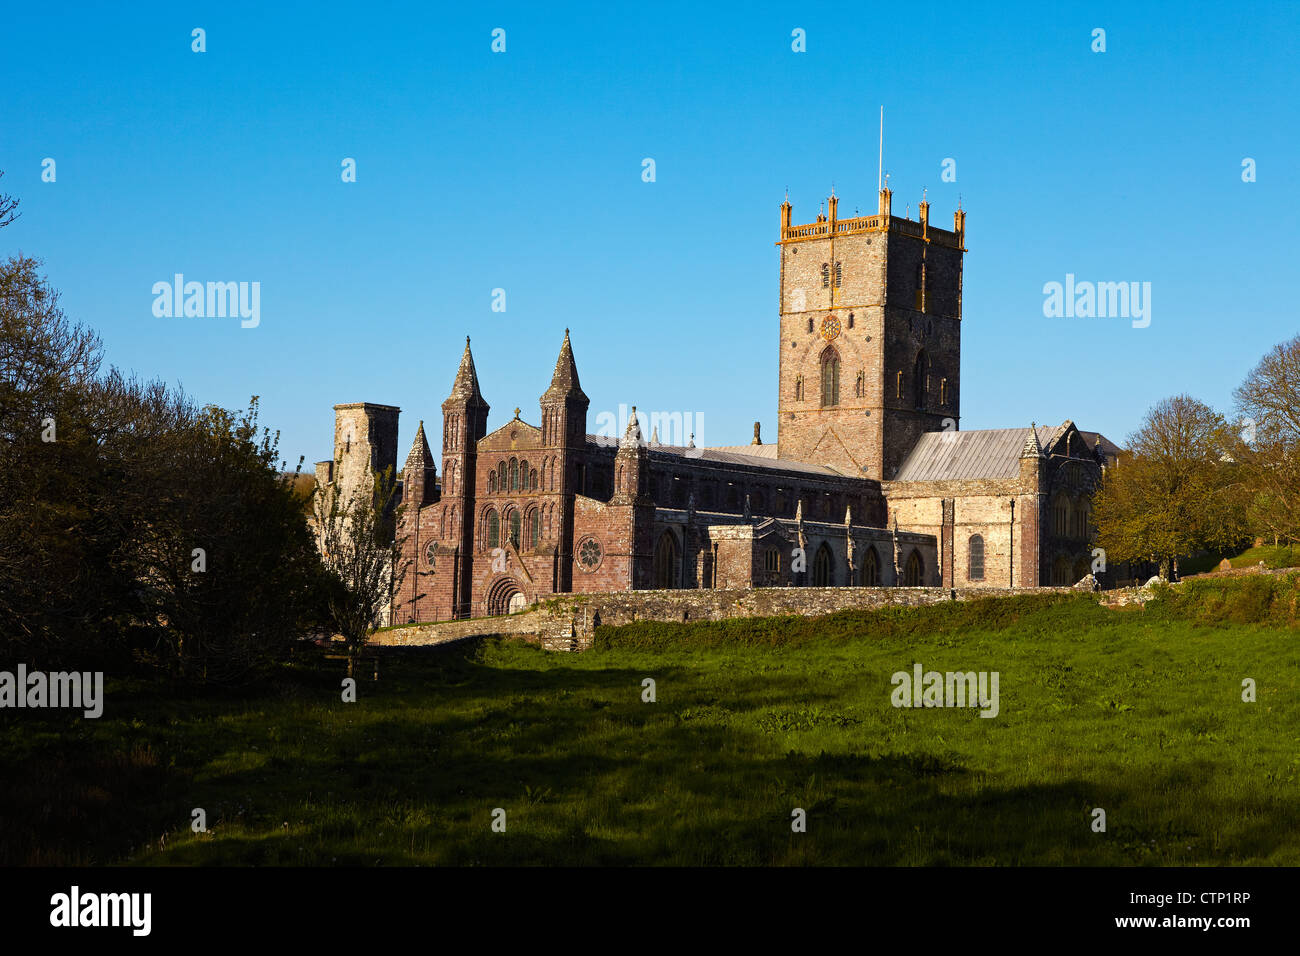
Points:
[567,622]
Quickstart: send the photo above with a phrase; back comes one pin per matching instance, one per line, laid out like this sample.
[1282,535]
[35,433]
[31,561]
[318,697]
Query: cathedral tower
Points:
[870,344]
[464,422]
[564,432]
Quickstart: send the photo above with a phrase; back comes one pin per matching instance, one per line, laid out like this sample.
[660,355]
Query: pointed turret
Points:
[1031,448]
[564,383]
[420,474]
[564,404]
[464,422]
[465,388]
[632,436]
[631,463]
[564,431]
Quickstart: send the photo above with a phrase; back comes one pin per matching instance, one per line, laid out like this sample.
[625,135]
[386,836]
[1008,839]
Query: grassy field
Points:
[1138,712]
[1273,556]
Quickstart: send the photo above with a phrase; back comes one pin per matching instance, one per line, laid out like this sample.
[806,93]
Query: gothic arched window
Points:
[975,559]
[822,567]
[665,561]
[870,569]
[919,376]
[915,574]
[830,376]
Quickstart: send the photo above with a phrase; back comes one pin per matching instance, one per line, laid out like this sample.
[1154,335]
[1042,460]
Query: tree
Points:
[8,205]
[362,551]
[1175,491]
[133,525]
[1268,445]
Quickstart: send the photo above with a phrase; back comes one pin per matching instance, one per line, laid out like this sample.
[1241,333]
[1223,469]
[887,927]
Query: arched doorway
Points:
[914,575]
[505,596]
[665,564]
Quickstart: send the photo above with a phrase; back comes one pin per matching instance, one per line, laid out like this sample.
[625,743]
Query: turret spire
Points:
[466,387]
[565,380]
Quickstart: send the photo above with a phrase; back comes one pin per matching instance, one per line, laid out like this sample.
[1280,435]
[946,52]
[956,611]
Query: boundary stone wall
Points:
[567,622]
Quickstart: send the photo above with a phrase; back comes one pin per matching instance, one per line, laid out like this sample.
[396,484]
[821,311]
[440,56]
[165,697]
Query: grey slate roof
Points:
[953,456]
[726,456]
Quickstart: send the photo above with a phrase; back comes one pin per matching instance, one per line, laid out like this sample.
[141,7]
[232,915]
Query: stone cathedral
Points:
[870,483]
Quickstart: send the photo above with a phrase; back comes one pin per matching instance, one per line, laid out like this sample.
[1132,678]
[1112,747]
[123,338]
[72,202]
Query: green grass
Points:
[1135,711]
[1273,556]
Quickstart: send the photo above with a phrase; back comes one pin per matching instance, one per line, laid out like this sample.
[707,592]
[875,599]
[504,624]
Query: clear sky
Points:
[522,171]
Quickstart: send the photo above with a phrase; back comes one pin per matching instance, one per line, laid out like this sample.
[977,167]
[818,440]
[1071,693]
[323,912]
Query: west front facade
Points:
[870,482]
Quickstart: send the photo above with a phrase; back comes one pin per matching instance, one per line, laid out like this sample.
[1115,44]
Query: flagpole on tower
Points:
[880,174]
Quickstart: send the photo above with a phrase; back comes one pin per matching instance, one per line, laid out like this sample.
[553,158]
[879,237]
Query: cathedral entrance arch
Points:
[505,596]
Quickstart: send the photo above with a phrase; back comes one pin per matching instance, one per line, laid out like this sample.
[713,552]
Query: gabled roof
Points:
[986,453]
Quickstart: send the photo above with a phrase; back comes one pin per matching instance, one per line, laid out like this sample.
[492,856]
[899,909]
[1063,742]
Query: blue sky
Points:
[522,171]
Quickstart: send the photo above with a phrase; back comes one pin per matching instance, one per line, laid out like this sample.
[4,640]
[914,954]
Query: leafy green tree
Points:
[1175,492]
[362,548]
[1268,446]
[133,525]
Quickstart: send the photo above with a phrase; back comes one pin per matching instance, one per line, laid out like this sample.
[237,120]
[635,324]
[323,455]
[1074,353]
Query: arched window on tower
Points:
[899,386]
[943,391]
[798,388]
[830,376]
[919,379]
[839,275]
[860,388]
[826,275]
